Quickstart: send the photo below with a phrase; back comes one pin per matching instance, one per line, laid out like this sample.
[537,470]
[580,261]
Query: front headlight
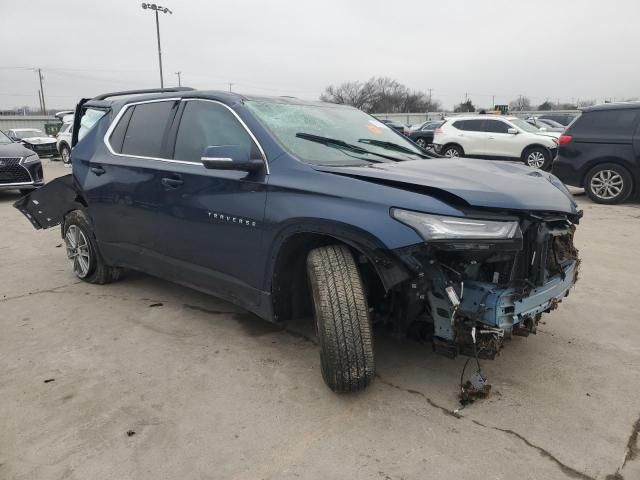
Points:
[438,227]
[30,159]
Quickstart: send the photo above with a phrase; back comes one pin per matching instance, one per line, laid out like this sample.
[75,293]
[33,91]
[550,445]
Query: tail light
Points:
[438,130]
[564,139]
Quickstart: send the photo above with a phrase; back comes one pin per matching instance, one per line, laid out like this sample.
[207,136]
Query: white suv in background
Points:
[63,141]
[493,136]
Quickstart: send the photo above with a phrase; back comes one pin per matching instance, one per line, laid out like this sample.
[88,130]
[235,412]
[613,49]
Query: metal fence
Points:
[415,118]
[24,121]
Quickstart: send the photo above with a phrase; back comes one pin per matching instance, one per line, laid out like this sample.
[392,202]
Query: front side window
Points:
[208,124]
[146,129]
[334,135]
[495,126]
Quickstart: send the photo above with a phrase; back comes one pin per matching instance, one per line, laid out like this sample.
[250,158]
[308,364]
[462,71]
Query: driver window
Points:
[207,124]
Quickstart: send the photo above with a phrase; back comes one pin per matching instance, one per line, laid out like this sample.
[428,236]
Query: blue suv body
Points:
[288,207]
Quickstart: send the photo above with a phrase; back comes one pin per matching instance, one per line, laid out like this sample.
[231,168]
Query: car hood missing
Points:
[479,183]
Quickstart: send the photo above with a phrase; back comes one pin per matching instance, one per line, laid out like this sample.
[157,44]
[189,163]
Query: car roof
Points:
[612,106]
[229,98]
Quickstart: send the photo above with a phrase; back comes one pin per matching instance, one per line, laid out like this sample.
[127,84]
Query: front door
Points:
[209,223]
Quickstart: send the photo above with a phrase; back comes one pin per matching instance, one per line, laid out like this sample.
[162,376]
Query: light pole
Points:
[156,9]
[179,79]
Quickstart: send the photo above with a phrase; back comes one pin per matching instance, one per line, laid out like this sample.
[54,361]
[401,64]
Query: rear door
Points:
[470,136]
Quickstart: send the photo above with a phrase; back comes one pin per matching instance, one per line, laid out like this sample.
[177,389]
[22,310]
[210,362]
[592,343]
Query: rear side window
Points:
[147,128]
[606,122]
[89,118]
[208,124]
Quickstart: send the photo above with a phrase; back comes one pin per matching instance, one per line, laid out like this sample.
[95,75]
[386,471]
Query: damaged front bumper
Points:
[475,294]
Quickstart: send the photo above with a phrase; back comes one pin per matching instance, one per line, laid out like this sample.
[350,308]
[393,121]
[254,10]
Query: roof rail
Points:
[104,96]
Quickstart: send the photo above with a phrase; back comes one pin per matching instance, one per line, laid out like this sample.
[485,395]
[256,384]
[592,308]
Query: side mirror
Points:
[513,131]
[230,157]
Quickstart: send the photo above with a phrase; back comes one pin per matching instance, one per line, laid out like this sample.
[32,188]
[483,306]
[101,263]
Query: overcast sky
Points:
[559,49]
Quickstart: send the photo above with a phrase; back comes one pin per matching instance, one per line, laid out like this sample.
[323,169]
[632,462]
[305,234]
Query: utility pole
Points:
[156,9]
[230,85]
[493,102]
[429,105]
[43,105]
[40,100]
[179,80]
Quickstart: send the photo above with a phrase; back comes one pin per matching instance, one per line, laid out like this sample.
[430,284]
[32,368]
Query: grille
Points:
[45,148]
[12,172]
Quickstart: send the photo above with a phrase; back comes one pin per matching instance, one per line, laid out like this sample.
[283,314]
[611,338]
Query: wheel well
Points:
[63,144]
[534,145]
[289,284]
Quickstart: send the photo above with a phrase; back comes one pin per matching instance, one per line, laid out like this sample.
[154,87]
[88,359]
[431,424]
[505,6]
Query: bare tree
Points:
[380,95]
[464,107]
[521,103]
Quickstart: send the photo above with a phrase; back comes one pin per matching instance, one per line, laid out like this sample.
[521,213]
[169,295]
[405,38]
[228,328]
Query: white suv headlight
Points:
[438,227]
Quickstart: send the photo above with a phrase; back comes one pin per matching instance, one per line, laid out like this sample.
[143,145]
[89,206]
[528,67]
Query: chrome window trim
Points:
[222,159]
[122,111]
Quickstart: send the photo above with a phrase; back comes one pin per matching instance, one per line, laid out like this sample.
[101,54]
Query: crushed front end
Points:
[475,292]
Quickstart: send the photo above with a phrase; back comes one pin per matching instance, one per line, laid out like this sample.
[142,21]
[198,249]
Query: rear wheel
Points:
[342,319]
[608,183]
[83,252]
[537,157]
[452,151]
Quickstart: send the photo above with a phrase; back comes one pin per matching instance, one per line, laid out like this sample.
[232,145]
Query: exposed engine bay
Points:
[469,296]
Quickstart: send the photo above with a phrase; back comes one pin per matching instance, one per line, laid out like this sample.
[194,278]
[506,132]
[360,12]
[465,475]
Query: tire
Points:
[608,183]
[342,319]
[537,157]
[422,143]
[87,261]
[452,151]
[65,154]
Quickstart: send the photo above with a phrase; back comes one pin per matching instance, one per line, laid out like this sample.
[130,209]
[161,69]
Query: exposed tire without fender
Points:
[342,319]
[82,249]
[608,183]
[421,142]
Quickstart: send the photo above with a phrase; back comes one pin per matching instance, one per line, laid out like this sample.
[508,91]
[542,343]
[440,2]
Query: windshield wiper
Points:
[336,143]
[392,146]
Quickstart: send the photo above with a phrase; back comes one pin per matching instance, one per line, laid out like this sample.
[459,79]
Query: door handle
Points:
[172,182]
[98,170]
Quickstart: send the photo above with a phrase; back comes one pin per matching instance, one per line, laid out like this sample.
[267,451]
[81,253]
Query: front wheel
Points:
[608,183]
[82,251]
[342,319]
[537,157]
[421,142]
[65,154]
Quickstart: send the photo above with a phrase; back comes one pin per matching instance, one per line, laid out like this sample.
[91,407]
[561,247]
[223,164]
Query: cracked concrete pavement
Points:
[146,379]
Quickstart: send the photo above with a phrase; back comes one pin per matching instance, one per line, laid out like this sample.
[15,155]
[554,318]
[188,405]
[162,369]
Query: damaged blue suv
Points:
[287,208]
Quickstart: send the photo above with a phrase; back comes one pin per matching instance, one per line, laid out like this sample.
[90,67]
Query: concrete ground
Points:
[145,379]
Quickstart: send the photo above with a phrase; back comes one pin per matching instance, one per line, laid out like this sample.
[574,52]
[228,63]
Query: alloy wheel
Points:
[65,155]
[421,142]
[78,250]
[535,159]
[451,153]
[607,184]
